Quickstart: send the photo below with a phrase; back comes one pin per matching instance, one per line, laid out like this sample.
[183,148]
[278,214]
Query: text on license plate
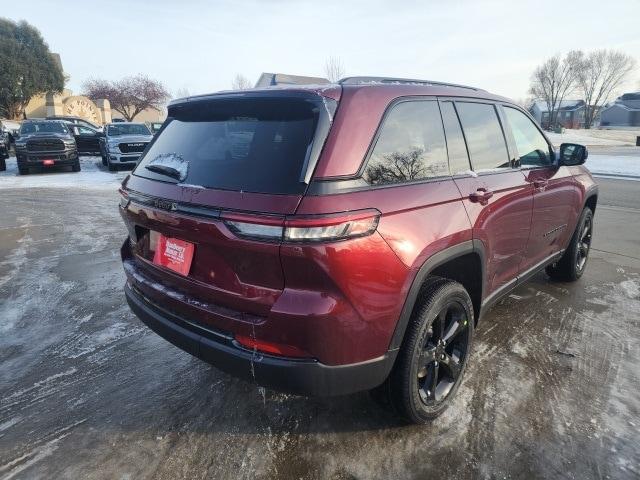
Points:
[174,254]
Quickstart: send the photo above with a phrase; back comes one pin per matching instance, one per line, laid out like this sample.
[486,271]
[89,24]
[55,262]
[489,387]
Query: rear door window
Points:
[256,145]
[485,140]
[458,156]
[410,145]
[532,147]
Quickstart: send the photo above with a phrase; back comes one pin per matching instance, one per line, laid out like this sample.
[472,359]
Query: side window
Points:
[458,156]
[485,140]
[532,147]
[410,146]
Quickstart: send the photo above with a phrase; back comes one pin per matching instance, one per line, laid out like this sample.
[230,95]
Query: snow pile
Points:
[92,176]
[172,161]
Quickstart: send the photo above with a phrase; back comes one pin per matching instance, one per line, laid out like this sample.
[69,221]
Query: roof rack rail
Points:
[359,80]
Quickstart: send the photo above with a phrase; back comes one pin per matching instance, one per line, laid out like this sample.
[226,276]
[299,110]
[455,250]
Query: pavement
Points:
[86,391]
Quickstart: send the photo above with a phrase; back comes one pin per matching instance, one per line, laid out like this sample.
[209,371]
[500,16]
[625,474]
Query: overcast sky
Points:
[201,45]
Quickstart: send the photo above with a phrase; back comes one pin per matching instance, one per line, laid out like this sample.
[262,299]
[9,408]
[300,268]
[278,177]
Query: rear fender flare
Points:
[434,261]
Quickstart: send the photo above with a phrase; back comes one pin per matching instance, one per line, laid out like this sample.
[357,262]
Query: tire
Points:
[111,166]
[572,264]
[435,351]
[104,157]
[76,166]
[3,164]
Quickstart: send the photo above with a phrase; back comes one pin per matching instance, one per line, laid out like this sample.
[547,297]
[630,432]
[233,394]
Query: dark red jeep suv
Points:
[324,240]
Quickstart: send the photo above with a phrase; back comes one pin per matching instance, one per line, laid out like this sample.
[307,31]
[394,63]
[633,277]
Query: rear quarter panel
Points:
[417,221]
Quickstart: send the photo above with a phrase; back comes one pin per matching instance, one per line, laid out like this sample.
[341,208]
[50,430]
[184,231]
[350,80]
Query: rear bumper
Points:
[304,377]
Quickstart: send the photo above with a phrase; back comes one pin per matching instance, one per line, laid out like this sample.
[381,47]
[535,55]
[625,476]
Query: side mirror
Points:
[572,154]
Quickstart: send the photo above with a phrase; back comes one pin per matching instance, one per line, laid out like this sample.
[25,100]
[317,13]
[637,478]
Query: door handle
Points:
[481,195]
[540,184]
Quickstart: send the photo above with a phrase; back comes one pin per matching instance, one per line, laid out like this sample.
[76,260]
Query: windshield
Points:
[43,127]
[257,145]
[127,129]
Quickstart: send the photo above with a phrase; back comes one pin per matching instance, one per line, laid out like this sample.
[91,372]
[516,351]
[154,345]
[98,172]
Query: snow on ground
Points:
[614,165]
[595,137]
[93,175]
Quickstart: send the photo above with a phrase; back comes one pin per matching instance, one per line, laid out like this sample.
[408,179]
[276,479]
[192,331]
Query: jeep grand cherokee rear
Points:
[346,237]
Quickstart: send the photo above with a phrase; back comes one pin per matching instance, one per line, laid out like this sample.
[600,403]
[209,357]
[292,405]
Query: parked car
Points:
[11,127]
[123,143]
[324,250]
[76,121]
[87,138]
[45,143]
[4,150]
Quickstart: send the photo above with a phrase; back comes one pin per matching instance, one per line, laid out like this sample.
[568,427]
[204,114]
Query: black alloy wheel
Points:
[443,354]
[574,260]
[436,348]
[584,243]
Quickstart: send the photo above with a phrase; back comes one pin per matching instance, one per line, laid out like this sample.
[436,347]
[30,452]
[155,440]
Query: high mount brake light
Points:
[304,229]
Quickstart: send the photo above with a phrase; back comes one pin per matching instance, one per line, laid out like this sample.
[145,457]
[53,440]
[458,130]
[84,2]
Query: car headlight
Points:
[113,147]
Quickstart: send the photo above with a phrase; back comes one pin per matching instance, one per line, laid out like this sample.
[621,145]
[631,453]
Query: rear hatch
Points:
[218,162]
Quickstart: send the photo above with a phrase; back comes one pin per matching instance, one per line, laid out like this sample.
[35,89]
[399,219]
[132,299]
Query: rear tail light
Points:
[271,347]
[254,227]
[301,229]
[124,198]
[332,227]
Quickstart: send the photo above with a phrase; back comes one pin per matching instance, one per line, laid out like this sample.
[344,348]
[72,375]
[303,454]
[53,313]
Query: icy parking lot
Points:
[86,391]
[93,176]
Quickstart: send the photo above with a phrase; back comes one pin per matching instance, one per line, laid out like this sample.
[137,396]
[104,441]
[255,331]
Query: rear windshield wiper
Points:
[164,170]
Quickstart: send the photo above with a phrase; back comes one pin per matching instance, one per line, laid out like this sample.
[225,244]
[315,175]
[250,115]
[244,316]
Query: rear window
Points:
[251,144]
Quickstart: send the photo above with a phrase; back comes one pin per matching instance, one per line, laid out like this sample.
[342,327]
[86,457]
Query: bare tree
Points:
[554,79]
[240,82]
[525,102]
[600,74]
[128,96]
[402,167]
[333,69]
[182,93]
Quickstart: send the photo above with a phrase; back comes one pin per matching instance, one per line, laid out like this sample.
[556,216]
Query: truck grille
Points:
[133,147]
[45,145]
